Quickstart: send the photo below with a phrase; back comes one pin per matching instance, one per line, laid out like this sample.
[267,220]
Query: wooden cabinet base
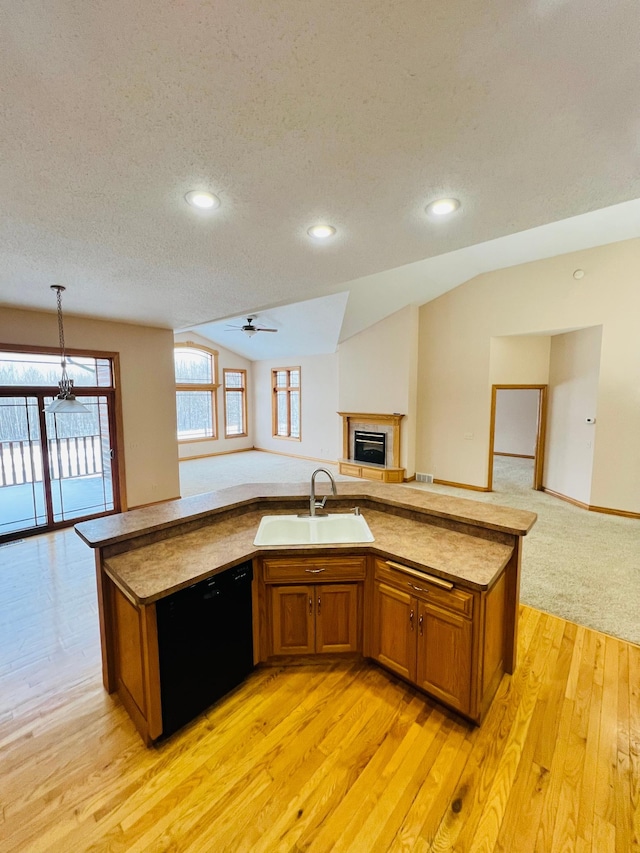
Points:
[445,665]
[448,642]
[133,639]
[452,643]
[372,472]
[316,618]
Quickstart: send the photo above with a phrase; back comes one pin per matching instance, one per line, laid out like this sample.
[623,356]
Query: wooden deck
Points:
[339,756]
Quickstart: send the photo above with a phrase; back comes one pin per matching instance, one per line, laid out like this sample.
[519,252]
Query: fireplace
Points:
[369,447]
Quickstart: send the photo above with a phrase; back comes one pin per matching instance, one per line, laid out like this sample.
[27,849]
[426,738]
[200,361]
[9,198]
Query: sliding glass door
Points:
[55,468]
[80,461]
[23,502]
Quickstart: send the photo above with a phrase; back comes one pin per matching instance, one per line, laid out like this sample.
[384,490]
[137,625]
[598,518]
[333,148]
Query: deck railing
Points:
[21,461]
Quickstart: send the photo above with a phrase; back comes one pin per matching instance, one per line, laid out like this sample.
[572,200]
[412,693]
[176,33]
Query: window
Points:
[55,468]
[196,384]
[286,402]
[34,368]
[235,402]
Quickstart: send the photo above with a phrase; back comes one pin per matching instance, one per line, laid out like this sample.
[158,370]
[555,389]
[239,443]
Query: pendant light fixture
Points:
[66,401]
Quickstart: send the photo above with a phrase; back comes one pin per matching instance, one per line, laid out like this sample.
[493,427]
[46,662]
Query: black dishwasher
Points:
[205,644]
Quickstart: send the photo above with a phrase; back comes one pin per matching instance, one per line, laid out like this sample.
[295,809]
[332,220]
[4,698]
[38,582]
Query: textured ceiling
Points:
[355,113]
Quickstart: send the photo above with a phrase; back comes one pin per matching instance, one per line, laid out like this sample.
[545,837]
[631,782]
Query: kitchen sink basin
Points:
[320,530]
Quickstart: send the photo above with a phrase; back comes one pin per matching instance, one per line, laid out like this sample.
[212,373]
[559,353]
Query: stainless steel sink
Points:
[320,530]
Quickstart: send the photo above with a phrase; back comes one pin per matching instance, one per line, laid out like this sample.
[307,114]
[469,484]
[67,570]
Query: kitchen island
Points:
[434,598]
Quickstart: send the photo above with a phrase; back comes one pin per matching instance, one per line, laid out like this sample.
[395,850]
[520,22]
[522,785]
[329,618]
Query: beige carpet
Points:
[581,565]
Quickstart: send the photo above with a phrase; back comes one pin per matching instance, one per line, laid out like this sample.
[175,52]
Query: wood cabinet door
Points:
[292,624]
[350,470]
[394,629]
[336,617]
[444,665]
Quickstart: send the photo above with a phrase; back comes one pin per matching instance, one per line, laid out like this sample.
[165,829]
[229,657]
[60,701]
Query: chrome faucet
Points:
[315,505]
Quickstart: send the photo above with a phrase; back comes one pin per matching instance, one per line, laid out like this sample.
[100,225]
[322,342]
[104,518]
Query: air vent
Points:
[424,478]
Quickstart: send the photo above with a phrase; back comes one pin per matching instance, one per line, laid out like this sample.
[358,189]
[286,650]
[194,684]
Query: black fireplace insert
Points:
[370,447]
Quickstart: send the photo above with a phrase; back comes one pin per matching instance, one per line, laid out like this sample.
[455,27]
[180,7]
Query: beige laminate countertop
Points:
[153,571]
[119,528]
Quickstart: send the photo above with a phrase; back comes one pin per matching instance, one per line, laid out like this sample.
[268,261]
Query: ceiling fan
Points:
[249,328]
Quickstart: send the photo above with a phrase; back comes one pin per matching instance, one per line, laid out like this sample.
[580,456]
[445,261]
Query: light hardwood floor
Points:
[340,756]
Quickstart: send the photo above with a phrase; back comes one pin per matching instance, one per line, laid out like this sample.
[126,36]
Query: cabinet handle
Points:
[423,575]
[319,603]
[314,571]
[310,604]
[411,615]
[418,588]
[421,624]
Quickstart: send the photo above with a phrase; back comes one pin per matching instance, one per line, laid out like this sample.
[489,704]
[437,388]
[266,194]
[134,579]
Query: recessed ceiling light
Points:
[321,232]
[578,274]
[202,200]
[443,206]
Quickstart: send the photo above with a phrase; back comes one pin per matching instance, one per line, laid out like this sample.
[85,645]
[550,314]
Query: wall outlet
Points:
[468,436]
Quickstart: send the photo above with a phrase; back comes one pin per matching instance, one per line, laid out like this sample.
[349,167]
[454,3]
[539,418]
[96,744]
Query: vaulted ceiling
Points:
[356,114]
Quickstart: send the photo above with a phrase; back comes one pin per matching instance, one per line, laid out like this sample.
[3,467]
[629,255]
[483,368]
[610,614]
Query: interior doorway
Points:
[517,431]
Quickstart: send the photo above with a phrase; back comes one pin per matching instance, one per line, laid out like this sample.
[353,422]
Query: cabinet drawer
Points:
[380,474]
[373,474]
[417,583]
[350,470]
[314,569]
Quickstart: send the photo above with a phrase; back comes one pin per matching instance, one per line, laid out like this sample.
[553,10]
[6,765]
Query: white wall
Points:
[516,424]
[147,390]
[519,360]
[537,299]
[573,396]
[378,374]
[374,371]
[230,361]
[320,427]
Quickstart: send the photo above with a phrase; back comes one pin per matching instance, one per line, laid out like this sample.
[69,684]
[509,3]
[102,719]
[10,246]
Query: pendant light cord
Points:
[66,386]
[65,402]
[60,325]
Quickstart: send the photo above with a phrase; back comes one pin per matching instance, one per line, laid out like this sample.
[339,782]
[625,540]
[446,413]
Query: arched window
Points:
[196,385]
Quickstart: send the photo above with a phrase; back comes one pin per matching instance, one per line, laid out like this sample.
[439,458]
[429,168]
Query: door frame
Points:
[538,463]
[115,426]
